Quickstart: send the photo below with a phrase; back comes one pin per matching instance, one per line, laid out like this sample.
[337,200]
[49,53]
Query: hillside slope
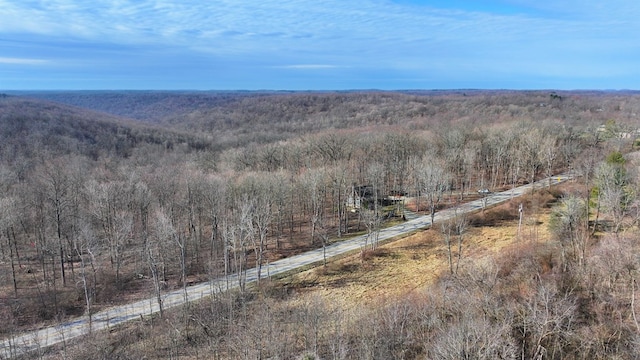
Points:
[98,210]
[31,125]
[304,112]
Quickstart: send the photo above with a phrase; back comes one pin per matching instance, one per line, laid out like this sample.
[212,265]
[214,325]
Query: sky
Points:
[319,44]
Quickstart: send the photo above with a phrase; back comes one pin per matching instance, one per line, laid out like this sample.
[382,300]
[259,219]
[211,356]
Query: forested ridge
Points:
[30,126]
[116,196]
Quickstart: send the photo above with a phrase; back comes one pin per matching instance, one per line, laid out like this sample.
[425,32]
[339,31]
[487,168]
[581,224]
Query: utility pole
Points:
[520,211]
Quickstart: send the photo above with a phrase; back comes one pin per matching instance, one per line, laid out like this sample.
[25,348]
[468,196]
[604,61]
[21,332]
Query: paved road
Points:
[40,339]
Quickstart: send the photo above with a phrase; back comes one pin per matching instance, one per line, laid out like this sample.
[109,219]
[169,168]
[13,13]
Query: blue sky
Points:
[319,45]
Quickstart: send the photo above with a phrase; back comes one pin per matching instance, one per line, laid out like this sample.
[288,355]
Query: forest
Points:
[109,197]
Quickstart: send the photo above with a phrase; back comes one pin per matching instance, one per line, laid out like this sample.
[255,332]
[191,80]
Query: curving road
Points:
[40,339]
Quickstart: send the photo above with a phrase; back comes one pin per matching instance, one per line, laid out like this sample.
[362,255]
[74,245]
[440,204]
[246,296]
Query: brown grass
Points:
[411,264]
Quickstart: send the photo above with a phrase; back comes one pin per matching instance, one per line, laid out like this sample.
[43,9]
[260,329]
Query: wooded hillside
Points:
[142,192]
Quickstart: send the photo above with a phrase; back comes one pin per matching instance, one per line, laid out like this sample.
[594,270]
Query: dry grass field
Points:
[410,264]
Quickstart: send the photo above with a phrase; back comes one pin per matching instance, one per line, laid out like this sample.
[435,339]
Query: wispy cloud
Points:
[22,61]
[361,37]
[295,24]
[307,66]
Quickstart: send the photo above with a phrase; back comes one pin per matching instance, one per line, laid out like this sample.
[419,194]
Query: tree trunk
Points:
[13,267]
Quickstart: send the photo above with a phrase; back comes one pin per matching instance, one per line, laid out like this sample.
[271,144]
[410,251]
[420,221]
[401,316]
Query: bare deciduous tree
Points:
[613,192]
[547,319]
[262,217]
[8,220]
[568,225]
[116,223]
[86,247]
[55,183]
[314,182]
[433,181]
[548,154]
[453,231]
[372,222]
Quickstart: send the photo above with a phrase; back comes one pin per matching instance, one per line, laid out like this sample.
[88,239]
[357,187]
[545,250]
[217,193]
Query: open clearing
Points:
[409,264]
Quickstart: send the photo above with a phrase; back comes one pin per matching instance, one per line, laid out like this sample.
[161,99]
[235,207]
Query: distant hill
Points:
[238,118]
[276,114]
[33,125]
[148,106]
